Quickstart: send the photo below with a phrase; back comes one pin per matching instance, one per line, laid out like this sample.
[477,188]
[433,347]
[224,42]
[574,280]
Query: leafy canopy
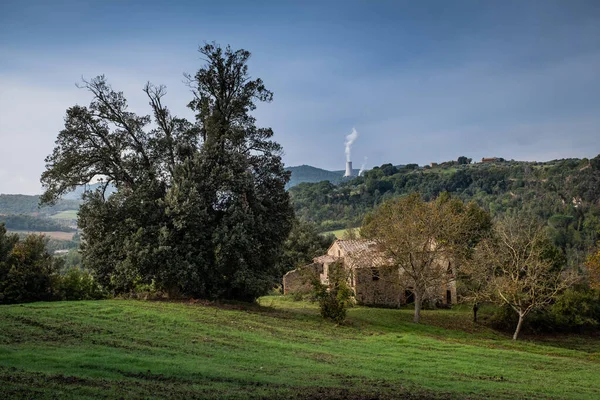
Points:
[200,207]
[426,240]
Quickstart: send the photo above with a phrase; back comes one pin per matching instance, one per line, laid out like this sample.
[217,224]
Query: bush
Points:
[27,270]
[335,297]
[78,284]
[148,291]
[573,311]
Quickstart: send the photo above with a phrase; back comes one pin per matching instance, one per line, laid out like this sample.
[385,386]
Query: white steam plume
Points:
[348,143]
[362,167]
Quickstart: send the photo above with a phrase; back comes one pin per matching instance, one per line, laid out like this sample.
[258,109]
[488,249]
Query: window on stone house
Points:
[375,274]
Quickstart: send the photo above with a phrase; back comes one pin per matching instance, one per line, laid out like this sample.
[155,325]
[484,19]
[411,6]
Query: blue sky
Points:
[420,81]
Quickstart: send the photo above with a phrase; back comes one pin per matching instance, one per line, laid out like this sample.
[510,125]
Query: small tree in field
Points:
[523,269]
[422,239]
[335,296]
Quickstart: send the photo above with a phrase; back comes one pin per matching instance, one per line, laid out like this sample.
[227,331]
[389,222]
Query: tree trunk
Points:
[516,334]
[418,302]
[475,309]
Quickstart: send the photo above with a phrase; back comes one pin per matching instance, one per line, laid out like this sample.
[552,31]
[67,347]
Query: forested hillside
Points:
[306,173]
[565,193]
[24,222]
[24,204]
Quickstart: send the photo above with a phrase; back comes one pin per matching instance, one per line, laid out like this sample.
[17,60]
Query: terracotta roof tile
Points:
[367,258]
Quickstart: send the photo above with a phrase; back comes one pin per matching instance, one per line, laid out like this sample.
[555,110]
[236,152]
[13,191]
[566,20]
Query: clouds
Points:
[513,82]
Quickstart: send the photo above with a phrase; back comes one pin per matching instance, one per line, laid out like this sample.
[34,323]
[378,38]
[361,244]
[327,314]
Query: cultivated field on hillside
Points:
[66,215]
[66,236]
[278,349]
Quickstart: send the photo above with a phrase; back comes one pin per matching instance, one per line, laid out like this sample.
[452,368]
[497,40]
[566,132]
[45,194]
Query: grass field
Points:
[53,235]
[339,233]
[66,215]
[278,349]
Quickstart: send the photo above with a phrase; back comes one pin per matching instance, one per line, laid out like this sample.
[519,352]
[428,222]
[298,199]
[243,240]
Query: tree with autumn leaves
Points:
[427,241]
[593,270]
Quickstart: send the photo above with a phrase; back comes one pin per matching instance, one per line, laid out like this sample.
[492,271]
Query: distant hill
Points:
[24,204]
[565,193]
[76,194]
[306,173]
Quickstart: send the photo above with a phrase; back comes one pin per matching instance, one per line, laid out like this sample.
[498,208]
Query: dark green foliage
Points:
[334,297]
[30,223]
[72,259]
[200,208]
[302,245]
[575,310]
[27,270]
[29,273]
[77,284]
[54,244]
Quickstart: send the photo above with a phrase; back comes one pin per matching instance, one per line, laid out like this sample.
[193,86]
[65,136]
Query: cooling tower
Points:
[348,168]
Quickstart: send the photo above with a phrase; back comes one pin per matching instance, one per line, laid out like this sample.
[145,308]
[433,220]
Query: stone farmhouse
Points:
[374,281]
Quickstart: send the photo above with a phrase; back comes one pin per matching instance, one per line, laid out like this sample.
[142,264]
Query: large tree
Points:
[426,241]
[518,266]
[200,207]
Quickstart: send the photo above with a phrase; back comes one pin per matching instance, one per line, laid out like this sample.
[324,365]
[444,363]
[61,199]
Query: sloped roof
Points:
[369,257]
[324,259]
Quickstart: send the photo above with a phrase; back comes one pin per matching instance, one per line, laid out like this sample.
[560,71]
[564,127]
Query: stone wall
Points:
[384,286]
[378,287]
[297,280]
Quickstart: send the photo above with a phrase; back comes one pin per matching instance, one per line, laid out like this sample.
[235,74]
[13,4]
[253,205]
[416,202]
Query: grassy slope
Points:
[68,215]
[339,233]
[282,349]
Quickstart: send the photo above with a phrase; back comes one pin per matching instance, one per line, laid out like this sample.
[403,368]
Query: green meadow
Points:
[340,233]
[67,215]
[279,348]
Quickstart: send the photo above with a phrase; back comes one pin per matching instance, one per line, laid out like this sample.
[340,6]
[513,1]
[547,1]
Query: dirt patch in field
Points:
[65,236]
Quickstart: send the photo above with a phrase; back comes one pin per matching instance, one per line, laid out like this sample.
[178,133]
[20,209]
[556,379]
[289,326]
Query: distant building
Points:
[490,159]
[434,164]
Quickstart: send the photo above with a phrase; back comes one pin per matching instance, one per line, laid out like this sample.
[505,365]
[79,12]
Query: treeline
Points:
[24,204]
[306,173]
[565,193]
[30,223]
